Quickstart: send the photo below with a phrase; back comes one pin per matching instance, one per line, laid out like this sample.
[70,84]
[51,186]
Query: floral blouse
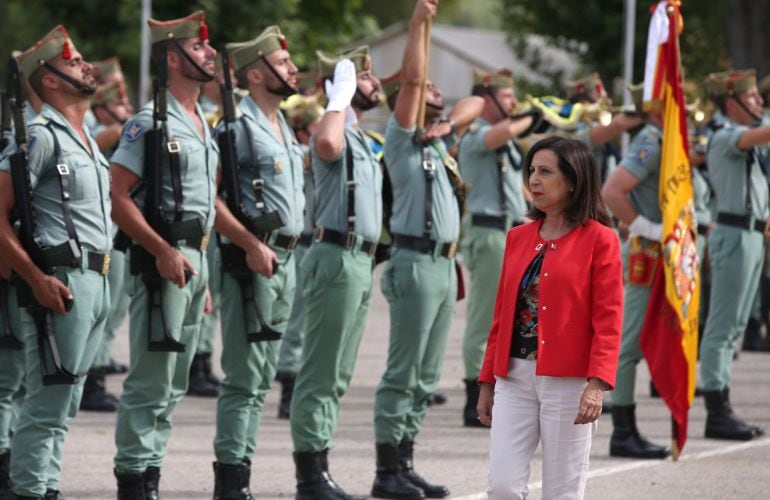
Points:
[524,342]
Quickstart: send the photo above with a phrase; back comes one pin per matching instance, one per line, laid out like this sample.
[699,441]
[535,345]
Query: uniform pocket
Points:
[84,181]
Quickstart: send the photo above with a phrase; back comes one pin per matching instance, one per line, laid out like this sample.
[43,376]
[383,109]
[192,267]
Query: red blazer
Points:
[580,309]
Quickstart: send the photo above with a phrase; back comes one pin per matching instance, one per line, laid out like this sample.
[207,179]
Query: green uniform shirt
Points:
[281,167]
[481,174]
[643,161]
[198,160]
[89,183]
[403,158]
[331,188]
[702,195]
[727,168]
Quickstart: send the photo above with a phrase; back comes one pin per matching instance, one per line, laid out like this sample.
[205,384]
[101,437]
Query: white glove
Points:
[642,226]
[341,91]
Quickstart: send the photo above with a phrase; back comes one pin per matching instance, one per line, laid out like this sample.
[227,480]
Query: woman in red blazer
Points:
[554,342]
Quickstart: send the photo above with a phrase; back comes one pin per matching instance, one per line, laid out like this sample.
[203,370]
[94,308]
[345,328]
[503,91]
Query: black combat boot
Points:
[95,396]
[406,461]
[287,390]
[151,483]
[626,440]
[130,486]
[5,473]
[721,423]
[115,368]
[470,415]
[199,383]
[213,380]
[246,478]
[313,479]
[437,398]
[54,495]
[389,482]
[229,482]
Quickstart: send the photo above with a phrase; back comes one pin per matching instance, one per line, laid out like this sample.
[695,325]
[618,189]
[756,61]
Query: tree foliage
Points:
[593,30]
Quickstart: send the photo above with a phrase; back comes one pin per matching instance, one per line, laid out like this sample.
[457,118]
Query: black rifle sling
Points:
[749,164]
[502,168]
[258,183]
[429,168]
[174,149]
[63,171]
[350,184]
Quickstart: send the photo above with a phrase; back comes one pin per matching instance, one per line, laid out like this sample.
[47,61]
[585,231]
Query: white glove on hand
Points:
[341,91]
[642,226]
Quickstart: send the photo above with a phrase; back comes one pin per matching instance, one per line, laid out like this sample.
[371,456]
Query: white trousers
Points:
[528,410]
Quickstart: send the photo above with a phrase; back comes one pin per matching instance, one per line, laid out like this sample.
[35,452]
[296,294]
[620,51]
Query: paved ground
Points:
[446,451]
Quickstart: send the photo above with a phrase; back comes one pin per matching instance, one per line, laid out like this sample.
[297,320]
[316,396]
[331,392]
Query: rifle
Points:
[233,256]
[67,253]
[157,144]
[5,120]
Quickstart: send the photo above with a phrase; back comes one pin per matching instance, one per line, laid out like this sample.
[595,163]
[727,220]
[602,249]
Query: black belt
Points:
[703,229]
[490,221]
[424,245]
[345,240]
[99,262]
[305,239]
[741,221]
[282,241]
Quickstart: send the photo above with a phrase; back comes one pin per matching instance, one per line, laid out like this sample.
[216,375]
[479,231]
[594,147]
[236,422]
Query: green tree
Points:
[593,30]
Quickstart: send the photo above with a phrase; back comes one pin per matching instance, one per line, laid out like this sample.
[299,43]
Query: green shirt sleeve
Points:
[130,152]
[643,156]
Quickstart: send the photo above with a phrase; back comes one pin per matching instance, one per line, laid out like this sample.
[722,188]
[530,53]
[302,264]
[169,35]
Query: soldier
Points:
[420,279]
[168,257]
[70,186]
[338,267]
[256,309]
[112,109]
[631,192]
[304,114]
[736,244]
[490,162]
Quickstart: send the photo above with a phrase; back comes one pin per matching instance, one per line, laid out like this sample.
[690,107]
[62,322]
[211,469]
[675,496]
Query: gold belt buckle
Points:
[106,264]
[205,241]
[452,250]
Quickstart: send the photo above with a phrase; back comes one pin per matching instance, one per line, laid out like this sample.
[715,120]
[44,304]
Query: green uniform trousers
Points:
[119,300]
[43,417]
[249,366]
[157,381]
[338,291]
[12,370]
[290,353]
[209,323]
[635,300]
[736,265]
[421,290]
[483,250]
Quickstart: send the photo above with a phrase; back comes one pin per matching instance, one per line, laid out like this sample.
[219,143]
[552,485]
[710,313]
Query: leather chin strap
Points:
[286,89]
[503,114]
[179,47]
[78,85]
[740,103]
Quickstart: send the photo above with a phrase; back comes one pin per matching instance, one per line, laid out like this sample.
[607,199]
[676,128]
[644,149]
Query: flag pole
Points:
[144,60]
[628,62]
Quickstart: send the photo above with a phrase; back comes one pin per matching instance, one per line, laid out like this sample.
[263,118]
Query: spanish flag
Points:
[669,337]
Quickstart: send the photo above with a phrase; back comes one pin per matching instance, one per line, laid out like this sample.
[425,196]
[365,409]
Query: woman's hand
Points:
[590,402]
[486,400]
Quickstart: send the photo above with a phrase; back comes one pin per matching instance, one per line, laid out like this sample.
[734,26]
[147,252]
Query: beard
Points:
[364,102]
[279,87]
[195,73]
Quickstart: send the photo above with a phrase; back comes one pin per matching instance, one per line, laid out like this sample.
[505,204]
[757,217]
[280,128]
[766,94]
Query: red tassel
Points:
[599,88]
[204,32]
[66,53]
[284,45]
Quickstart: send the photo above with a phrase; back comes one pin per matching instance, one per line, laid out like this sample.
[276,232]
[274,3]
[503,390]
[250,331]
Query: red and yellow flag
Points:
[669,337]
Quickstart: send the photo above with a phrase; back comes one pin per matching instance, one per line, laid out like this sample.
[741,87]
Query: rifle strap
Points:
[173,148]
[8,340]
[429,168]
[258,183]
[350,184]
[64,173]
[502,168]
